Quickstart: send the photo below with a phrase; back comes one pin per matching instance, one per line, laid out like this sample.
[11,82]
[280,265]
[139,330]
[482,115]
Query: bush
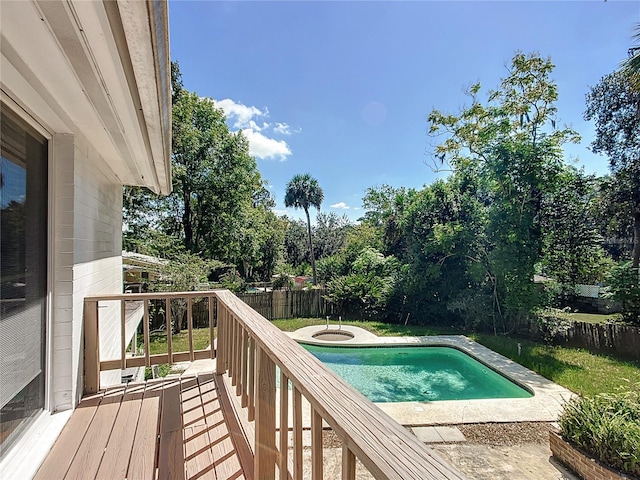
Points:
[283,282]
[624,286]
[366,290]
[606,426]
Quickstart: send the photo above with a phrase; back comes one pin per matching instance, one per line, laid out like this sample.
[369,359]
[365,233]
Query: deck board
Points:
[64,450]
[115,460]
[171,454]
[145,443]
[220,438]
[87,460]
[172,429]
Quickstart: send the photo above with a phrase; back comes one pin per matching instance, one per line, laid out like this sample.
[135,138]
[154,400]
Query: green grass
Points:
[593,317]
[380,329]
[179,341]
[578,370]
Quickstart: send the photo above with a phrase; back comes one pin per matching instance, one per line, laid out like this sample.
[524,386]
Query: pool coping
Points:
[545,406]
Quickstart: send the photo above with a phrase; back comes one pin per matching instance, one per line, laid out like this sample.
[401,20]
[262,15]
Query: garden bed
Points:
[581,463]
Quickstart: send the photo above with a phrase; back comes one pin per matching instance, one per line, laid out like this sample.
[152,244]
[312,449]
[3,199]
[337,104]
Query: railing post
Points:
[265,446]
[91,347]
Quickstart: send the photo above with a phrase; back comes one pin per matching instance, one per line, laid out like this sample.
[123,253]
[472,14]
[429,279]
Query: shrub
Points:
[606,426]
[624,285]
[283,282]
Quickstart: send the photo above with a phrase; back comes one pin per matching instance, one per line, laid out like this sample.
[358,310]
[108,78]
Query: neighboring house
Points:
[85,109]
[139,269]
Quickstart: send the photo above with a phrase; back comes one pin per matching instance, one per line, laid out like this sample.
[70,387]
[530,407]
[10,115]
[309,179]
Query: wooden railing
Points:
[248,350]
[93,364]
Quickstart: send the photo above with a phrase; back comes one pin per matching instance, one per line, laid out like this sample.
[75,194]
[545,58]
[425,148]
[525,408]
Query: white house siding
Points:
[87,223]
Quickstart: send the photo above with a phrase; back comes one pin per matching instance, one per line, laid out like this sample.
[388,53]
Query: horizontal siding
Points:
[88,246]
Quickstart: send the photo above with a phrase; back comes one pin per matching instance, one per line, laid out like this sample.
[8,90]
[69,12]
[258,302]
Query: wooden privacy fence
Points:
[620,340]
[280,304]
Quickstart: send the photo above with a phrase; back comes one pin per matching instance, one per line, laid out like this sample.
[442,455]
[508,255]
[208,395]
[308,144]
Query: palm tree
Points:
[303,192]
[631,66]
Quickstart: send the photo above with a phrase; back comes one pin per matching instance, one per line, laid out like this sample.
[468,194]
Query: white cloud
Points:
[341,205]
[240,113]
[266,148]
[250,120]
[282,128]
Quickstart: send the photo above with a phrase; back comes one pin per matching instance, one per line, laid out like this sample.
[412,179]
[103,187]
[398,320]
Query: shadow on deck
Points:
[168,429]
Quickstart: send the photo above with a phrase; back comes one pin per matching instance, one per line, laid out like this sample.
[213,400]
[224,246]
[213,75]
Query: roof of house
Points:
[98,70]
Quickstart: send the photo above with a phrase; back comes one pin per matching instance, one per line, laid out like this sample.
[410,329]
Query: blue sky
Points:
[341,90]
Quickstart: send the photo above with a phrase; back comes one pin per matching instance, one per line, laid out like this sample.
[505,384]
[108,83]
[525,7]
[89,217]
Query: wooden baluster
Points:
[167,316]
[348,463]
[297,434]
[265,424]
[316,445]
[242,385]
[237,355]
[190,326]
[221,354]
[145,330]
[251,410]
[91,347]
[284,427]
[233,327]
[212,336]
[123,334]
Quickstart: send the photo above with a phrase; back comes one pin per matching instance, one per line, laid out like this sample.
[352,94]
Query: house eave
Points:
[99,70]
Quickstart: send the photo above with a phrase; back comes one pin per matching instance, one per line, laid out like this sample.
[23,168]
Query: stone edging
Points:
[581,463]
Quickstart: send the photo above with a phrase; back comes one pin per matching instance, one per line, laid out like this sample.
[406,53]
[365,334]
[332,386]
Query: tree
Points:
[573,252]
[631,66]
[512,146]
[330,233]
[219,208]
[296,244]
[303,191]
[615,107]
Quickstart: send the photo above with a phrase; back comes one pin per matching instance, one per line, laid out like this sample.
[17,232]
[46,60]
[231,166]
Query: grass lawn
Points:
[592,317]
[578,370]
[179,341]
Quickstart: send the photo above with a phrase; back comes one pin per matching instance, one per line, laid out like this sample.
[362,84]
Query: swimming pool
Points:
[416,374]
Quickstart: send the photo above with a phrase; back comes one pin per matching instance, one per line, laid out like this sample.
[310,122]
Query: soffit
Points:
[81,80]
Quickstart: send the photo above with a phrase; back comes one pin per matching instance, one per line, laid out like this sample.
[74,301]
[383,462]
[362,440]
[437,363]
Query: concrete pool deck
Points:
[545,405]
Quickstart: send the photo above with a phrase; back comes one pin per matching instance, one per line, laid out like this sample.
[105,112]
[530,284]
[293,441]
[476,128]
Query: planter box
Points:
[581,463]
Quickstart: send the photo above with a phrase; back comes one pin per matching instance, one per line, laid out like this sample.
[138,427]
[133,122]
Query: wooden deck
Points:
[168,429]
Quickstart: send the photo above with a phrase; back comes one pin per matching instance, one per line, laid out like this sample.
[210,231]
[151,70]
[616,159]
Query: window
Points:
[23,275]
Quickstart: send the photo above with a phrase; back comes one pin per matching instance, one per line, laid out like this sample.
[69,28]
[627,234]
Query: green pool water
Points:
[409,374]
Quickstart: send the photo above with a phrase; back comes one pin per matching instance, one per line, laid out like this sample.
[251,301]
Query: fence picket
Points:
[280,304]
